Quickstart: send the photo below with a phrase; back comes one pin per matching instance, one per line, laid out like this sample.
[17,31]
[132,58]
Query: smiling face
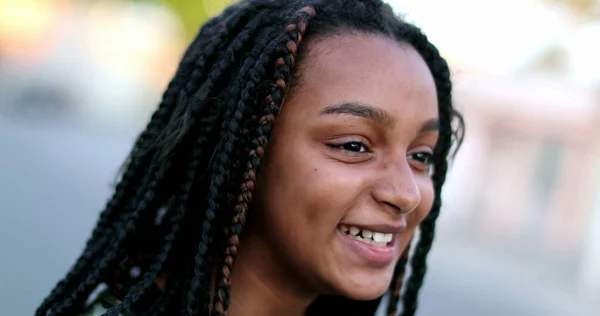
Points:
[346,178]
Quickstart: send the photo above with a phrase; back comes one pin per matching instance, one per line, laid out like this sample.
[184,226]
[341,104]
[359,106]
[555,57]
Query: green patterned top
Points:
[102,304]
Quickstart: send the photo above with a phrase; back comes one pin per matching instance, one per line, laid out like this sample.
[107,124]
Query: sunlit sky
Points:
[491,36]
[500,37]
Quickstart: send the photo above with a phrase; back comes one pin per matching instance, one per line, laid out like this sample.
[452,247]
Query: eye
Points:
[423,161]
[422,157]
[353,147]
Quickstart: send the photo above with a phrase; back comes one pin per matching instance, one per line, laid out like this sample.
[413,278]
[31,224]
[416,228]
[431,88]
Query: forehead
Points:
[368,69]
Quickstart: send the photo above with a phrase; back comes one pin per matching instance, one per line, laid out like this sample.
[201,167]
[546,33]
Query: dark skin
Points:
[351,146]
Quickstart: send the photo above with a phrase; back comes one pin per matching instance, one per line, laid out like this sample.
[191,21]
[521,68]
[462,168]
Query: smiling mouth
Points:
[366,236]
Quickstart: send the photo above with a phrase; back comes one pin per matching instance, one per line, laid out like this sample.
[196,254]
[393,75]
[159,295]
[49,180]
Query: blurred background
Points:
[520,229]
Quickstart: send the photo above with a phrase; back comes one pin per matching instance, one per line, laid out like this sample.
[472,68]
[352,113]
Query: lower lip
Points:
[376,255]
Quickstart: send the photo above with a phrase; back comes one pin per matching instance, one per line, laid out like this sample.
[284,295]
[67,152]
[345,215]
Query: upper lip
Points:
[380,228]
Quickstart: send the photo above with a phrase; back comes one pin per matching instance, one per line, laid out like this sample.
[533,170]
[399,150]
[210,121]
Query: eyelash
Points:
[427,163]
[428,157]
[360,148]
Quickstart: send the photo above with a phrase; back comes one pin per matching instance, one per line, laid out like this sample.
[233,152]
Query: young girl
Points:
[294,154]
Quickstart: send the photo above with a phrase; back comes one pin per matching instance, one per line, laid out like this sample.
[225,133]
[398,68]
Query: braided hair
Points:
[208,136]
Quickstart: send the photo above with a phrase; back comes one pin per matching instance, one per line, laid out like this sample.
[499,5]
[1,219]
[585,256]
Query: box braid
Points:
[130,180]
[208,136]
[256,70]
[282,76]
[187,77]
[449,138]
[397,281]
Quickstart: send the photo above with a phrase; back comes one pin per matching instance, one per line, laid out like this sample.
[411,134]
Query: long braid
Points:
[235,112]
[199,266]
[191,109]
[108,261]
[127,226]
[258,145]
[180,202]
[164,304]
[397,281]
[146,137]
[441,74]
[209,40]
[99,268]
[173,216]
[225,59]
[134,167]
[98,237]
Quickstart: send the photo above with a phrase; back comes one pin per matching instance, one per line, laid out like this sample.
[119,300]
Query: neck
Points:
[260,286]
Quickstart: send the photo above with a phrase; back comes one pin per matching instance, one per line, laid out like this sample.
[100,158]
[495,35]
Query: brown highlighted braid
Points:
[199,156]
[281,79]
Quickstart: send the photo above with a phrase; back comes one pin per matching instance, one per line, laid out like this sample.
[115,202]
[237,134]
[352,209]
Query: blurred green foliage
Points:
[193,13]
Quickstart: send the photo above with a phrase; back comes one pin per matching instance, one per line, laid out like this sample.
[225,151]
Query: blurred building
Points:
[527,179]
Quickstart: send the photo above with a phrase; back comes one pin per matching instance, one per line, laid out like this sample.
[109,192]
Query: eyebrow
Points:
[373,113]
[361,110]
[432,125]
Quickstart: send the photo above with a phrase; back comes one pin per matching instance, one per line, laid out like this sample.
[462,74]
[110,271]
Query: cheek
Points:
[303,191]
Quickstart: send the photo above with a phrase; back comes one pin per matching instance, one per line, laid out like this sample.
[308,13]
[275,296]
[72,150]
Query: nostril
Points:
[394,206]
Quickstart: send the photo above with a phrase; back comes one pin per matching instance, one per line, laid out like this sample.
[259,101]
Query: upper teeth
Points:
[367,235]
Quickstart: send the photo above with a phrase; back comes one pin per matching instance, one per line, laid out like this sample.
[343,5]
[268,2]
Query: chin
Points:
[365,289]
[366,294]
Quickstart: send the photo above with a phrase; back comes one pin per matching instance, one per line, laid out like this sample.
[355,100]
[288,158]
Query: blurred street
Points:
[55,177]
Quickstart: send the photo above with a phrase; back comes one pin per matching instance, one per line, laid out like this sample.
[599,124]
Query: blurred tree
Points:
[193,13]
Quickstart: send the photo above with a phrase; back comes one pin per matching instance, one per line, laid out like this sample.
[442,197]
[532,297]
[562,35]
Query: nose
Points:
[397,188]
